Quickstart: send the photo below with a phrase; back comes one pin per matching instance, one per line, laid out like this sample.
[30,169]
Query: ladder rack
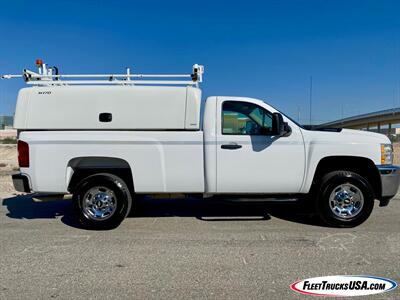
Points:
[48,76]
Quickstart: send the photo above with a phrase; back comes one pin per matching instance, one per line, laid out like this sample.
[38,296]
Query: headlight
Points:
[386,154]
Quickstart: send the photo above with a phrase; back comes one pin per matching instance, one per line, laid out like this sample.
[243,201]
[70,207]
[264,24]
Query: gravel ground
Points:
[185,249]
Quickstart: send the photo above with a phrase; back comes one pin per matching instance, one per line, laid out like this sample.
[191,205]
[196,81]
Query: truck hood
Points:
[361,134]
[346,136]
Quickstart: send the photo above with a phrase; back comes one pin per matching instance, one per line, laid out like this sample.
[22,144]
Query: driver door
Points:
[250,158]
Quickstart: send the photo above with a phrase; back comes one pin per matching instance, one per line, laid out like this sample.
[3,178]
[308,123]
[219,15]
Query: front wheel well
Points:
[360,165]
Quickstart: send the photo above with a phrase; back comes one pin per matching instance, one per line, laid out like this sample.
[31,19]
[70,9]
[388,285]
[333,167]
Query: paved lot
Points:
[186,249]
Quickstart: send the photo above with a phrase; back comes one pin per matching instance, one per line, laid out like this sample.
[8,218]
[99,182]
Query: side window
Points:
[244,118]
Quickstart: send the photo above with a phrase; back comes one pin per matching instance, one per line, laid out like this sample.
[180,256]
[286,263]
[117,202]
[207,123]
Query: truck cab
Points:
[251,146]
[109,142]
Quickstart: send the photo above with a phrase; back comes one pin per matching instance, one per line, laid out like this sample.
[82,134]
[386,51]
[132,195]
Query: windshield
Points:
[301,126]
[283,114]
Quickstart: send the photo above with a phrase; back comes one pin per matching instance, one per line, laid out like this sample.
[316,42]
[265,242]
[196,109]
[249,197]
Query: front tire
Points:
[102,201]
[345,199]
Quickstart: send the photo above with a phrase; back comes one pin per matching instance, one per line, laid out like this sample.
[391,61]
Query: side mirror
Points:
[281,128]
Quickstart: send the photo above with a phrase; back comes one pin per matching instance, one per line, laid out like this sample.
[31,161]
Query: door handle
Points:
[231,146]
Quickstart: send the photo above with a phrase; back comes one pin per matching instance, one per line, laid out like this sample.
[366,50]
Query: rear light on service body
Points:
[23,154]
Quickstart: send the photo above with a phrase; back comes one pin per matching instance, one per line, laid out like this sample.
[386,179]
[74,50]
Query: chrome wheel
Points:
[346,201]
[99,203]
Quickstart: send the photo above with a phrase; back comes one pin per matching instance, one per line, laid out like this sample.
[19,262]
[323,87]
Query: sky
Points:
[261,49]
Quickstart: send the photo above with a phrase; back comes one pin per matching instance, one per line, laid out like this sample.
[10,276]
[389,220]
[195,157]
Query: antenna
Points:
[311,100]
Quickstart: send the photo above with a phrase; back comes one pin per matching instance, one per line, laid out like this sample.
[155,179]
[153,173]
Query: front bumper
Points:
[21,183]
[390,178]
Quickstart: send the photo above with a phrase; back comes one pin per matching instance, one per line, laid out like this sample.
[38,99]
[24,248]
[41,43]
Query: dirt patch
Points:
[8,159]
[8,164]
[6,186]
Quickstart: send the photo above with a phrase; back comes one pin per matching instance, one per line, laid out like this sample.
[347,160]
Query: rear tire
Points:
[102,201]
[345,199]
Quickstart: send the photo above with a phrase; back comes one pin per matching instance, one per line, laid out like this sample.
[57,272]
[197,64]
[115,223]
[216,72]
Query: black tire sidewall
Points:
[329,183]
[118,186]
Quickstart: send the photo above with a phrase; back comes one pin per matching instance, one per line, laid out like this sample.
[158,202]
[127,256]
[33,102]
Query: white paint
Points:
[183,158]
[160,161]
[264,164]
[132,107]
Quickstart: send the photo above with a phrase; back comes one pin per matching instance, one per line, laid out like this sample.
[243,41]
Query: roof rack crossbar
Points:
[113,82]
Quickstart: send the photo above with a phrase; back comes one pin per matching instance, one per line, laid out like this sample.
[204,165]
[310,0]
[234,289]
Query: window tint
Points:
[244,118]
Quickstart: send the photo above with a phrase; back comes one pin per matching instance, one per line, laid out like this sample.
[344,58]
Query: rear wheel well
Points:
[82,167]
[360,165]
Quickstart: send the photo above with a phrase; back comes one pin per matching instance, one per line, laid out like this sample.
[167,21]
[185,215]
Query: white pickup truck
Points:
[109,141]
